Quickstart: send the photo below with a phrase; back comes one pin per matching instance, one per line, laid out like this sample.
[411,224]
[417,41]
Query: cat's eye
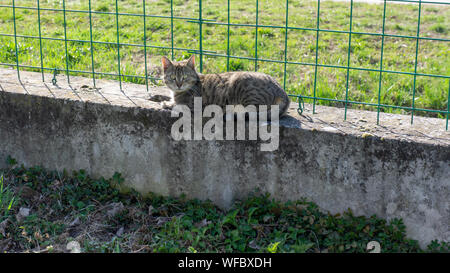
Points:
[173,77]
[184,76]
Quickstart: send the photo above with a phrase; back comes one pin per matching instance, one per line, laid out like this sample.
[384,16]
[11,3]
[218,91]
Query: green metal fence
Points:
[201,52]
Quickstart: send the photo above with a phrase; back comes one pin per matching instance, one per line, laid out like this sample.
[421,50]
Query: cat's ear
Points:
[166,63]
[191,62]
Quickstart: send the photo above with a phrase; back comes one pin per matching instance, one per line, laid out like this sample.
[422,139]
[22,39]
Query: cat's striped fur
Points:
[231,88]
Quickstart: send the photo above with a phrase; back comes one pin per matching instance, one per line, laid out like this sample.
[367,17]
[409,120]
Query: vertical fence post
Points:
[348,58]
[118,45]
[448,106]
[40,39]
[15,39]
[256,36]
[285,44]
[381,64]
[200,23]
[317,53]
[145,46]
[228,37]
[171,25]
[415,62]
[65,41]
[92,44]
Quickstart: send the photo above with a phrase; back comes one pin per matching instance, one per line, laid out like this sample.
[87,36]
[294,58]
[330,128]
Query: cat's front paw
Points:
[167,104]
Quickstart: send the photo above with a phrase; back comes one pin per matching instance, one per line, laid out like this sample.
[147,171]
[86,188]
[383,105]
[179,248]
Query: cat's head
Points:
[179,76]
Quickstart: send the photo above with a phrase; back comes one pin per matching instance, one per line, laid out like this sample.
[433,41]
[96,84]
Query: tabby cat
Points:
[230,88]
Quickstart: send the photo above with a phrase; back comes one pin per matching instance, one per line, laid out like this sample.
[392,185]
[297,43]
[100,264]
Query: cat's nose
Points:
[179,85]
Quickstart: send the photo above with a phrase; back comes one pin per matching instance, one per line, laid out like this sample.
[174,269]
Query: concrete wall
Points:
[335,167]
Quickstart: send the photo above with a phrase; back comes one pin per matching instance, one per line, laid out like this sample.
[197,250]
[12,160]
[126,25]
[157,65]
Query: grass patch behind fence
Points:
[399,53]
[65,207]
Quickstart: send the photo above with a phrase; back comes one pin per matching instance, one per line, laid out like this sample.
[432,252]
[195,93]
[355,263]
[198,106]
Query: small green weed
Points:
[7,200]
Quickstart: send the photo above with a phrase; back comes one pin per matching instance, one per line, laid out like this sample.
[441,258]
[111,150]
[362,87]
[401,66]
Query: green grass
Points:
[67,207]
[399,53]
[6,200]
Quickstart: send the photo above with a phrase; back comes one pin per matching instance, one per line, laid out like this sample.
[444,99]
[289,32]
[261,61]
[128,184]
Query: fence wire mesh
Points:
[303,78]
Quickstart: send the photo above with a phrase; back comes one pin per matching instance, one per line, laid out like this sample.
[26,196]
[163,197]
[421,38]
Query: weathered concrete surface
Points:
[391,170]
